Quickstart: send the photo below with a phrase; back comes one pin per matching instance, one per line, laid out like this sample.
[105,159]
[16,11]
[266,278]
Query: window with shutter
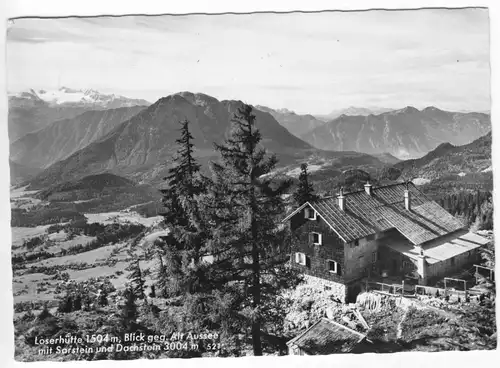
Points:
[332,266]
[309,213]
[300,258]
[374,257]
[315,238]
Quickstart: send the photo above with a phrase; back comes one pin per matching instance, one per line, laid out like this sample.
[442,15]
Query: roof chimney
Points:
[407,200]
[341,199]
[368,188]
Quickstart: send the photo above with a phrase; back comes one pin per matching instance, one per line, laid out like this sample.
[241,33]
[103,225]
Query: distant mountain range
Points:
[405,133]
[296,124]
[62,138]
[32,110]
[447,159]
[142,147]
[137,142]
[354,111]
[65,96]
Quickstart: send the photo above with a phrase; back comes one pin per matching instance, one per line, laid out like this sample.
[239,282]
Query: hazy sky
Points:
[310,63]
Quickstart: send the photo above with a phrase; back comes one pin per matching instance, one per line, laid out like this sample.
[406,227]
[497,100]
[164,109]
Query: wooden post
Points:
[445,289]
[403,287]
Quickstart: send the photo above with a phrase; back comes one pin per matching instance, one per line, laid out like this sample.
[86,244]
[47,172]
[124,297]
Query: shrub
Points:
[33,242]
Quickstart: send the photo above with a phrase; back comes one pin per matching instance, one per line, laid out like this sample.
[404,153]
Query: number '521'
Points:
[213,346]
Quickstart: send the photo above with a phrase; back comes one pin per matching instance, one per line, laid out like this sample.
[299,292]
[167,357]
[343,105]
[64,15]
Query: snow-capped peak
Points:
[70,96]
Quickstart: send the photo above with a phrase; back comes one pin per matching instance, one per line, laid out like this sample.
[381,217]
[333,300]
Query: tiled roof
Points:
[384,209]
[347,224]
[327,337]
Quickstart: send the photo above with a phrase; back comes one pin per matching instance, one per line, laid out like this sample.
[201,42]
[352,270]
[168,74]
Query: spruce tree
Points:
[128,311]
[249,247]
[304,191]
[162,282]
[184,244]
[136,280]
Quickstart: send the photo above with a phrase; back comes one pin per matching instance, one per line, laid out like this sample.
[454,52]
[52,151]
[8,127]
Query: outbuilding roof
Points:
[327,337]
[443,248]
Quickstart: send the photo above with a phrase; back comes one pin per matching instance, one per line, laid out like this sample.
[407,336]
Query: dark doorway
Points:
[394,266]
[352,293]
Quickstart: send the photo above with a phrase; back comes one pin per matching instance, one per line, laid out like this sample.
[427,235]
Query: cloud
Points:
[312,63]
[25,36]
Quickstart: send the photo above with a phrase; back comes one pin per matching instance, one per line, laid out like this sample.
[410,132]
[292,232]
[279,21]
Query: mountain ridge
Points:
[405,133]
[77,97]
[446,159]
[353,110]
[29,112]
[141,147]
[64,137]
[295,123]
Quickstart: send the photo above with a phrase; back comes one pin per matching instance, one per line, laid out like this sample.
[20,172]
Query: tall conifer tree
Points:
[249,247]
[304,191]
[183,251]
[136,280]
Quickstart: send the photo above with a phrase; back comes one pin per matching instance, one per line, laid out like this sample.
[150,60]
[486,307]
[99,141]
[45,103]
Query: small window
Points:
[315,238]
[309,213]
[361,261]
[407,265]
[300,258]
[356,242]
[327,288]
[333,267]
[374,257]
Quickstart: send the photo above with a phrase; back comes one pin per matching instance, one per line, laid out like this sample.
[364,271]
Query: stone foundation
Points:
[335,289]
